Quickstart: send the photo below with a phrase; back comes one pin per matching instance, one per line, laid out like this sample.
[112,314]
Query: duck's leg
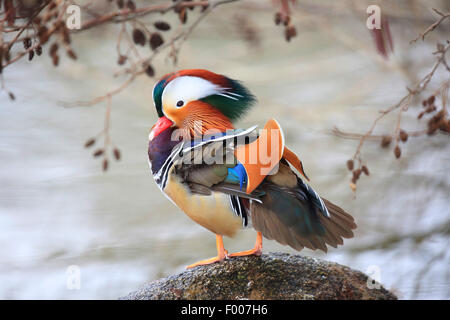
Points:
[221,254]
[256,251]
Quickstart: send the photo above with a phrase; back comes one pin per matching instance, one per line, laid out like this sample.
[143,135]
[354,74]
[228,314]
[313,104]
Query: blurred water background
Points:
[57,207]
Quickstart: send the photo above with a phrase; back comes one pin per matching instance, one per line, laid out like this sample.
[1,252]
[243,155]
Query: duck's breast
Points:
[213,212]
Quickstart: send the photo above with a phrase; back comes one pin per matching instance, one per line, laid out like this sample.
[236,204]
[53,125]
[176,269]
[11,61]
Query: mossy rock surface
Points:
[271,276]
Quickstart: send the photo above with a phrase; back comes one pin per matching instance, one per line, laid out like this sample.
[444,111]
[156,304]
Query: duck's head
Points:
[198,100]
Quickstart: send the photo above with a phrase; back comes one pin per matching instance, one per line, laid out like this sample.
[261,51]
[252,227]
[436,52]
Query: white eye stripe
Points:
[187,88]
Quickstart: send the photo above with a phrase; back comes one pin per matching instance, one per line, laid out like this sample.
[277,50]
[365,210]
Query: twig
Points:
[138,67]
[30,21]
[50,32]
[108,95]
[433,26]
[357,136]
[127,14]
[404,102]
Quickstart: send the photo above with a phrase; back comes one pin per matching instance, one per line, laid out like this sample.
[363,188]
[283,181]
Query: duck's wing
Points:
[292,213]
[210,164]
[245,157]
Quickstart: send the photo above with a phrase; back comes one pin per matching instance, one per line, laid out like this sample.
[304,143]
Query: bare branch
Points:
[403,106]
[433,26]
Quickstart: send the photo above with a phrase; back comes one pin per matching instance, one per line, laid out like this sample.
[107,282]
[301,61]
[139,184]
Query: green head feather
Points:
[157,94]
[234,102]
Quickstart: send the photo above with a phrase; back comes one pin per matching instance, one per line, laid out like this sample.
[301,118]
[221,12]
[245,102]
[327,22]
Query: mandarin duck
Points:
[226,179]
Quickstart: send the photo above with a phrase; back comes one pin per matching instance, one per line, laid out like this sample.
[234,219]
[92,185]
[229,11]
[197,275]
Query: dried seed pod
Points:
[162,25]
[431,100]
[440,115]
[424,103]
[356,174]
[365,170]
[26,43]
[182,15]
[139,37]
[38,50]
[433,125]
[55,60]
[397,152]
[446,127]
[443,125]
[66,35]
[120,3]
[122,59]
[278,18]
[98,152]
[421,115]
[105,164]
[403,135]
[30,55]
[89,143]
[430,109]
[350,164]
[11,95]
[386,141]
[72,55]
[53,49]
[131,5]
[116,153]
[156,40]
[434,122]
[290,32]
[43,35]
[149,71]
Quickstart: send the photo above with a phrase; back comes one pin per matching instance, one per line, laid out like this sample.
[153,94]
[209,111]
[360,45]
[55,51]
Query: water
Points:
[58,209]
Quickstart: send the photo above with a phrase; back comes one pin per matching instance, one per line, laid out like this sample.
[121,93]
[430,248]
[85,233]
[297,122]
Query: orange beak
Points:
[161,125]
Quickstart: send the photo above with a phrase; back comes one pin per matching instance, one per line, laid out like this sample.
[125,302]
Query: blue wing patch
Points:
[237,174]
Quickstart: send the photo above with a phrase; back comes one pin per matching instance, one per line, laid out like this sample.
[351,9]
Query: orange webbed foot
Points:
[252,252]
[221,254]
[207,261]
[256,251]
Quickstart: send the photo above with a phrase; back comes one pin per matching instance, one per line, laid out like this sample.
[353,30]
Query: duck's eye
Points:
[180,103]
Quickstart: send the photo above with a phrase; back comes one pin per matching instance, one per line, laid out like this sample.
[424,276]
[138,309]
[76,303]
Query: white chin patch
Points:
[151,135]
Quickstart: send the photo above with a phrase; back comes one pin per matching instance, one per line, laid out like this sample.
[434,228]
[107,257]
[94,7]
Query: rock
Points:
[271,276]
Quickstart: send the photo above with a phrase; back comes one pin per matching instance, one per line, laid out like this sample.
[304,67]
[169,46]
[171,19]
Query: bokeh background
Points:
[58,208]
